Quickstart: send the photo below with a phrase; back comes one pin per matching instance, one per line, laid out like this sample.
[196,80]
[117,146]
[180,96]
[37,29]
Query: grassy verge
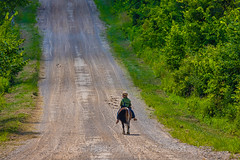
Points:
[171,110]
[19,104]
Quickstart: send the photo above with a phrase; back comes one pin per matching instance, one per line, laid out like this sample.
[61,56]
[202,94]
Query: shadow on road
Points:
[132,134]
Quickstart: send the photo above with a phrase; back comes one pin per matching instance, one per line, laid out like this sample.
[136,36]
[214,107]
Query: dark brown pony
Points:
[125,116]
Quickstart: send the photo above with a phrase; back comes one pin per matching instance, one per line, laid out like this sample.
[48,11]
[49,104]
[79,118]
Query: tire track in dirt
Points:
[82,89]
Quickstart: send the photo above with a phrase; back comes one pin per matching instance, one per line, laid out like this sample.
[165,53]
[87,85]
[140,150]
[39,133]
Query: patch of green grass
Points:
[26,19]
[4,136]
[171,110]
[28,14]
[18,104]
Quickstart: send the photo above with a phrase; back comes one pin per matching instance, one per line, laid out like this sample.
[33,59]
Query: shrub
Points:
[11,56]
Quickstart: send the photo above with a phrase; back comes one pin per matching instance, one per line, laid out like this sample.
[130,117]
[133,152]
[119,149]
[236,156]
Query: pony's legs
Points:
[128,117]
[123,128]
[128,127]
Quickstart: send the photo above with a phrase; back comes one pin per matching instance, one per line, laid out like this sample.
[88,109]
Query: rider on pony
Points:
[126,102]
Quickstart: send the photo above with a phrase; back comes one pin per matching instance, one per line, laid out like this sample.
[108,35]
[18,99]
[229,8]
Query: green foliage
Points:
[194,45]
[4,84]
[9,6]
[11,58]
[27,15]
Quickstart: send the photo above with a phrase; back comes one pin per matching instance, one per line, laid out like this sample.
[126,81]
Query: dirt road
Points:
[81,91]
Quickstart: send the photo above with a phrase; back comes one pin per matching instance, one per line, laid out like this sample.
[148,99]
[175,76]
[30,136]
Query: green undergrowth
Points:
[19,102]
[172,111]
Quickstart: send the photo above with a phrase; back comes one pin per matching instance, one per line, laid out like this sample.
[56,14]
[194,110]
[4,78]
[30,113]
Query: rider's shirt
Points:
[125,102]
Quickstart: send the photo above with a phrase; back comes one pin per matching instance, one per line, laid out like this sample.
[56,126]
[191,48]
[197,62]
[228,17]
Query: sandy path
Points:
[81,93]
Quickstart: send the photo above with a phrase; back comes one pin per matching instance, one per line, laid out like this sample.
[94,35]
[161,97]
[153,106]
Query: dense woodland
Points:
[193,46]
[11,54]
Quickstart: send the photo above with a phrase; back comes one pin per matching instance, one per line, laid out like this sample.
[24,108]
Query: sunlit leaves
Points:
[11,58]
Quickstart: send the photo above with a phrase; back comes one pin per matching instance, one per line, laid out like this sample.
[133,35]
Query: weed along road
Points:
[81,92]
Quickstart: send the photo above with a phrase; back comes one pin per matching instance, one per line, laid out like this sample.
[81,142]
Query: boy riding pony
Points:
[126,102]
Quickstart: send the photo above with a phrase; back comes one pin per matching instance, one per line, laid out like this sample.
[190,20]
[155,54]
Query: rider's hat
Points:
[125,93]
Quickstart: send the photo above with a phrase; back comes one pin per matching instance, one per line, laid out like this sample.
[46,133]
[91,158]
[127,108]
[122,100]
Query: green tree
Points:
[11,56]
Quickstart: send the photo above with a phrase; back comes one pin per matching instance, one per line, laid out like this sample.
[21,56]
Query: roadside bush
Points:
[4,84]
[11,56]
